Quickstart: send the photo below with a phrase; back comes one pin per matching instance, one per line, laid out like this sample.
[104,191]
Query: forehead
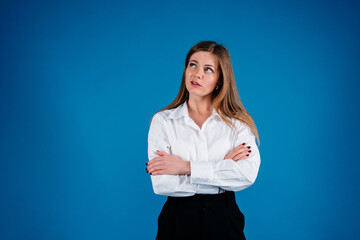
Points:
[204,58]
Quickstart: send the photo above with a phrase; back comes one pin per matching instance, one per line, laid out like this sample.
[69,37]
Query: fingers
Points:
[158,164]
[154,165]
[236,151]
[155,159]
[156,168]
[159,172]
[161,153]
[241,156]
[239,153]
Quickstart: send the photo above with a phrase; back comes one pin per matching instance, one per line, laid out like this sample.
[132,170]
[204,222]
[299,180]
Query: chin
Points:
[198,94]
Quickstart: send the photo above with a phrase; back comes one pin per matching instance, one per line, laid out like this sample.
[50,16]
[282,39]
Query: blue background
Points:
[80,81]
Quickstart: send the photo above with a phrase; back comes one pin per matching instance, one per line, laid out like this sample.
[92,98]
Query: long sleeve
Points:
[226,173]
[168,185]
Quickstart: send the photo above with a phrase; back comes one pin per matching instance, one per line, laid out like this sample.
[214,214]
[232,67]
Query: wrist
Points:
[188,168]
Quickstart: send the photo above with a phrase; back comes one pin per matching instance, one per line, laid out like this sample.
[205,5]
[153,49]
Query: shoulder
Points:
[241,127]
[161,116]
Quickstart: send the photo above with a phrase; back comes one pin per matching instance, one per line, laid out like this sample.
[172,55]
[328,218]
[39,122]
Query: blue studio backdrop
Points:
[80,81]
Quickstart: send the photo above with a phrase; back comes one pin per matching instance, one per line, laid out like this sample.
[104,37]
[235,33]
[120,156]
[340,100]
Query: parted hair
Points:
[225,99]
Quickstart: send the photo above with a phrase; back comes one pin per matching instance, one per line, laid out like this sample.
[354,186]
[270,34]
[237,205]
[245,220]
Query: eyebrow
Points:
[204,65]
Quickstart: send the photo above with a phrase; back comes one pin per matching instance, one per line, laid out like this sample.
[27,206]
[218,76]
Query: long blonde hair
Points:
[225,99]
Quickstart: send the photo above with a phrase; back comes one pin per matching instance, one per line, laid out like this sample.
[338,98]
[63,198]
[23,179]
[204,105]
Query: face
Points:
[202,69]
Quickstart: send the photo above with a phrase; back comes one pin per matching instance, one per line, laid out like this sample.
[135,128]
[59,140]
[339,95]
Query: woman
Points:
[201,149]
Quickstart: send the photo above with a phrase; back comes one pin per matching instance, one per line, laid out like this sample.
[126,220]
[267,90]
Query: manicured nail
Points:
[146,164]
[243,144]
[247,155]
[249,151]
[249,147]
[146,169]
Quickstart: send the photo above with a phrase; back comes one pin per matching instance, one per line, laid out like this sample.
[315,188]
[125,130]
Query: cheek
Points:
[212,81]
[187,75]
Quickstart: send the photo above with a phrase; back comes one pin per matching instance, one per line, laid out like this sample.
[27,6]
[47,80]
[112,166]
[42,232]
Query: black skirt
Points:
[202,216]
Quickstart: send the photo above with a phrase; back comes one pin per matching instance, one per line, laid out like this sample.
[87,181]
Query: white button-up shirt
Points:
[174,132]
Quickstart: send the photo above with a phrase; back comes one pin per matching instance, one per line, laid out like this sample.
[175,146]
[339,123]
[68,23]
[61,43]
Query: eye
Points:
[191,64]
[208,69]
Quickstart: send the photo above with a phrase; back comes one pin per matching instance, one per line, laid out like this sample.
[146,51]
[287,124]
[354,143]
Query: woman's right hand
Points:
[239,153]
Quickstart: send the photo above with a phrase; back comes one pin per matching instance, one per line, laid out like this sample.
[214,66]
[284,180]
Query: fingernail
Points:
[146,164]
[243,144]
[249,151]
[248,147]
[247,155]
[146,169]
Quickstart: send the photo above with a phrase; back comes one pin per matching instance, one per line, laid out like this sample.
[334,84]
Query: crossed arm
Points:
[170,164]
[173,176]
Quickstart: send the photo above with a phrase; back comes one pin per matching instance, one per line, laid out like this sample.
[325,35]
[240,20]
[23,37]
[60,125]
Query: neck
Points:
[199,106]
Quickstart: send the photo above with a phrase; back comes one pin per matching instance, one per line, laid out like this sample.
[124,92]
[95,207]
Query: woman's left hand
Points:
[168,164]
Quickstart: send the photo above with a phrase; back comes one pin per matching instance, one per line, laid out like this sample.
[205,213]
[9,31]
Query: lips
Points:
[195,83]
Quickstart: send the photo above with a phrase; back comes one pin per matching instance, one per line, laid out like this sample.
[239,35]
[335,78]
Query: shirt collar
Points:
[182,111]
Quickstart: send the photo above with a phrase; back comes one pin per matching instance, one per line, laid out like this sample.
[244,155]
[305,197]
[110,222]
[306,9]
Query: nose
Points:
[198,73]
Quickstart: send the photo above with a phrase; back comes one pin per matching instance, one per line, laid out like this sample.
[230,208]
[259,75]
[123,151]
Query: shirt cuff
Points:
[201,172]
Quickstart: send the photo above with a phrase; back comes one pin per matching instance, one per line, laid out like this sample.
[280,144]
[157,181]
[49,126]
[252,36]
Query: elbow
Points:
[251,176]
[244,183]
[159,192]
[164,185]
[247,182]
[244,180]
[168,185]
[156,189]
[251,180]
[158,186]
